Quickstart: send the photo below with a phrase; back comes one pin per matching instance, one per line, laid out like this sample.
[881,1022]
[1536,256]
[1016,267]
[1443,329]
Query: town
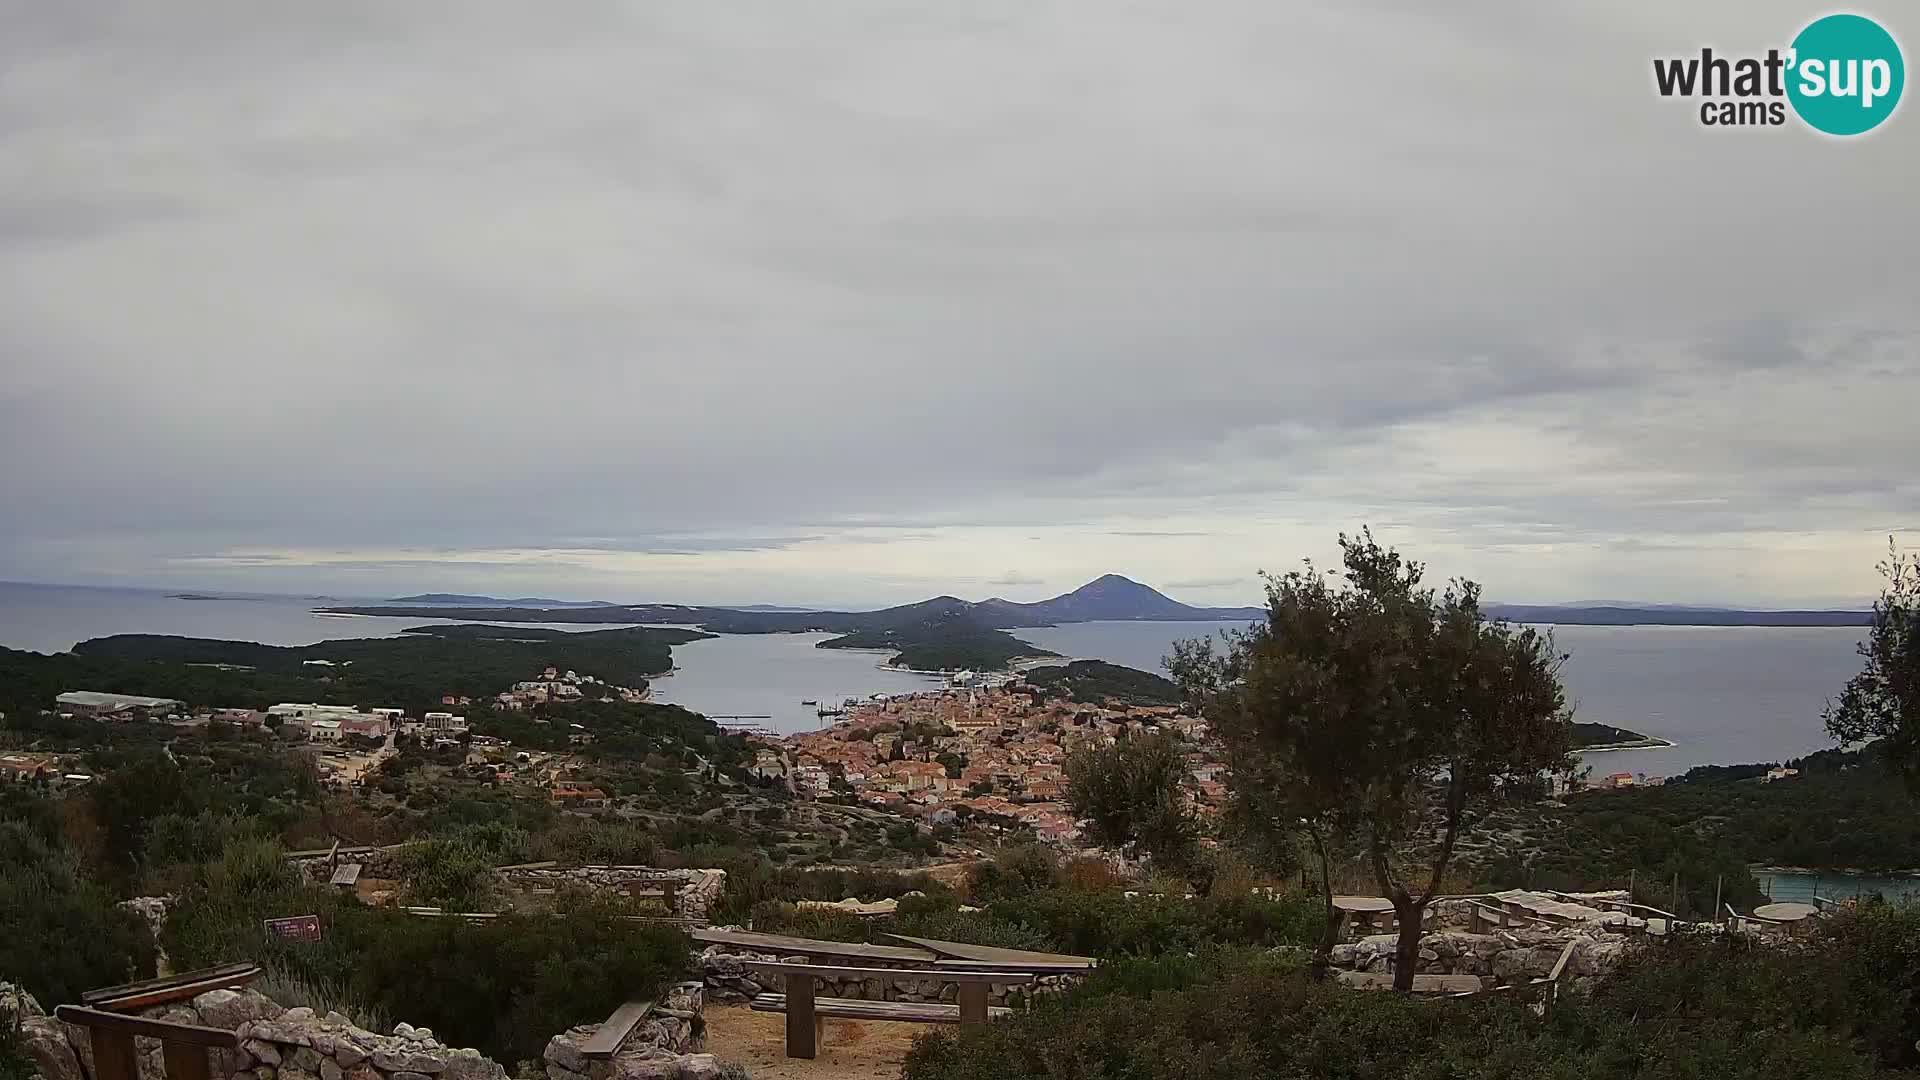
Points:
[995,755]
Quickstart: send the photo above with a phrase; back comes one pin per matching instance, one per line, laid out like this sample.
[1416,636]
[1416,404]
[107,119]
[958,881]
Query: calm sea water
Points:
[769,675]
[1724,695]
[54,618]
[1784,886]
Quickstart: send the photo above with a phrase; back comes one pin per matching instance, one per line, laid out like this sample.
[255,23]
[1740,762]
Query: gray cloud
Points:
[658,298]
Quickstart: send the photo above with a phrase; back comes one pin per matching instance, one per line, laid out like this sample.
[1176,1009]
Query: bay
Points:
[1723,695]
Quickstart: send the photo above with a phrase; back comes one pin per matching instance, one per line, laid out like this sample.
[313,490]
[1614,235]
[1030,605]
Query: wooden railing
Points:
[183,1047]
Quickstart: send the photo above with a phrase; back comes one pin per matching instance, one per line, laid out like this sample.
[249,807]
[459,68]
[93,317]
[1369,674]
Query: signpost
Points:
[296,928]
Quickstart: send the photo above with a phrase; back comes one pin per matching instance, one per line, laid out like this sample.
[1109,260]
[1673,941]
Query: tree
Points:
[1129,793]
[1384,711]
[1883,701]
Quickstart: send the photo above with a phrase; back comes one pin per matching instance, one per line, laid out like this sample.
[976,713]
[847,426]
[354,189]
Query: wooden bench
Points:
[607,1040]
[804,1012]
[168,989]
[183,1047]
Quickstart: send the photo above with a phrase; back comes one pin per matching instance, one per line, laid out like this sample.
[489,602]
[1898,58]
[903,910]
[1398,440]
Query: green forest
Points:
[412,671]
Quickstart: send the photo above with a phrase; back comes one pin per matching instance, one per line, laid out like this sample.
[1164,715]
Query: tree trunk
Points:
[1407,951]
[1323,956]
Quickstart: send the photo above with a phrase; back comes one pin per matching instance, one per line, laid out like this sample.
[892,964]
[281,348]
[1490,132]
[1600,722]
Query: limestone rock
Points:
[230,1008]
[288,1072]
[416,1061]
[364,1072]
[46,1045]
[331,1070]
[275,1031]
[348,1053]
[564,1051]
[471,1065]
[264,1052]
[300,1015]
[700,1067]
[304,1058]
[14,1000]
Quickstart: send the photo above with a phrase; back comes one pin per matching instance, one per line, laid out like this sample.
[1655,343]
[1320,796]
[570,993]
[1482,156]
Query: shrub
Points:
[780,917]
[1013,872]
[60,934]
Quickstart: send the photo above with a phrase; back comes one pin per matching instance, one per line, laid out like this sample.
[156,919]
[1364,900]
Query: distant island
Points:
[947,633]
[1606,615]
[1593,737]
[463,600]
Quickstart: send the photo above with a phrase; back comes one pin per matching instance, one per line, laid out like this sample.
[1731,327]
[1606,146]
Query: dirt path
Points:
[849,1049]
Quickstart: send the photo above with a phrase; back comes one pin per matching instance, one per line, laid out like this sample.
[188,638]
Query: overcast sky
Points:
[840,302]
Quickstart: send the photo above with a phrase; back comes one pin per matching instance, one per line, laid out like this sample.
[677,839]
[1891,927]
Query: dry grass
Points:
[849,1049]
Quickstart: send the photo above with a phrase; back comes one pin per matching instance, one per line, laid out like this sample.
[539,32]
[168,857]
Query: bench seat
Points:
[918,1012]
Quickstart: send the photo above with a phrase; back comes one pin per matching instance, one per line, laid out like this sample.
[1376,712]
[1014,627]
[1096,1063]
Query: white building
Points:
[323,730]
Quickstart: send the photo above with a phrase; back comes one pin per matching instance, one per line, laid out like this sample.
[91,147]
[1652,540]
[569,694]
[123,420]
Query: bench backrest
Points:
[961,976]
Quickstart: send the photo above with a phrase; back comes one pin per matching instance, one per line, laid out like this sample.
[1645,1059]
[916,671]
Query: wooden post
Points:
[113,1056]
[185,1061]
[973,1003]
[802,1033]
[1674,905]
[1717,883]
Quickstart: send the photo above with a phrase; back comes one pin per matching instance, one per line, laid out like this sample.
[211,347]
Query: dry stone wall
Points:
[275,1044]
[695,891]
[1511,956]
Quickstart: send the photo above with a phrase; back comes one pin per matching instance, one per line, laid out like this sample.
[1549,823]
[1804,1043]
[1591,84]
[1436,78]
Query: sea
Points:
[1722,695]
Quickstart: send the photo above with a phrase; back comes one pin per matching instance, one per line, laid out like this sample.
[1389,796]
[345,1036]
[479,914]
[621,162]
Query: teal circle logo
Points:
[1845,74]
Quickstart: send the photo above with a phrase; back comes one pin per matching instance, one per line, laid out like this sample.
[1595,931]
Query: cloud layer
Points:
[838,302]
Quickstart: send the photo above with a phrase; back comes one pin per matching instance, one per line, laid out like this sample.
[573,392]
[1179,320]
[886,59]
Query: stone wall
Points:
[297,1044]
[275,1044]
[696,891]
[1510,956]
[729,981]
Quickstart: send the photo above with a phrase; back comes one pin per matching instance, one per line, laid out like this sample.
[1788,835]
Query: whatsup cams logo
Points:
[1842,75]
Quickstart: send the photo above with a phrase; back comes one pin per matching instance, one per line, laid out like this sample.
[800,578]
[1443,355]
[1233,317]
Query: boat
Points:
[809,703]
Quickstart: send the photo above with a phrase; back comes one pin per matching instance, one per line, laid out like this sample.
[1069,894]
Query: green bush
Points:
[60,934]
[1013,872]
[780,917]
[1107,923]
[1729,1010]
[504,985]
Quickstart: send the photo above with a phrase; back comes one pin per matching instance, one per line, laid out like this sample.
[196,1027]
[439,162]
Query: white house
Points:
[323,730]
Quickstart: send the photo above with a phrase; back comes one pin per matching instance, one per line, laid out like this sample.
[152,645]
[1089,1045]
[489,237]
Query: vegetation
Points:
[1097,680]
[1377,702]
[1883,701]
[60,933]
[1839,1007]
[941,647]
[411,672]
[503,986]
[1129,796]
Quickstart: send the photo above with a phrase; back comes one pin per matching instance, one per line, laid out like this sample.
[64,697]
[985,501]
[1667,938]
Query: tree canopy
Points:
[1383,710]
[1129,793]
[1883,701]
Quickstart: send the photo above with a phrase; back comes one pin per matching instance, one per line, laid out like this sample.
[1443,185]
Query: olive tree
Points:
[1373,708]
[1129,793]
[1883,701]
